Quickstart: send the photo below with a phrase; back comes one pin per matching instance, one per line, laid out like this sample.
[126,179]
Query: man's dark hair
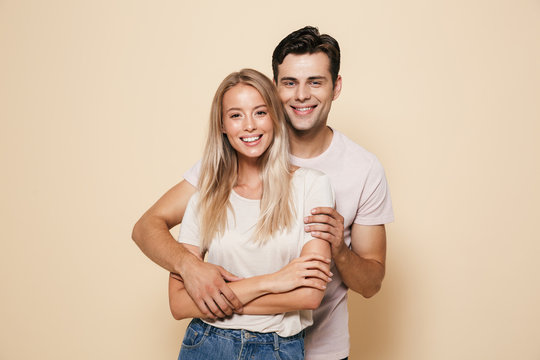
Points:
[307,40]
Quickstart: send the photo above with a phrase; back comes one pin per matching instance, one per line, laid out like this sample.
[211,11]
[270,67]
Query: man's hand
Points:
[311,270]
[205,284]
[326,223]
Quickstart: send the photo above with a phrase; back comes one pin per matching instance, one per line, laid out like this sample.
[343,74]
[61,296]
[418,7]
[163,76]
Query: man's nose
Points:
[303,93]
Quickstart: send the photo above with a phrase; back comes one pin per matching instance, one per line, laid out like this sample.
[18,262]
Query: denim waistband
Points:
[246,336]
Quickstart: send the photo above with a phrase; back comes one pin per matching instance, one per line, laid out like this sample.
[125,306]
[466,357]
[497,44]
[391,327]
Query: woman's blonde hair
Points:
[219,167]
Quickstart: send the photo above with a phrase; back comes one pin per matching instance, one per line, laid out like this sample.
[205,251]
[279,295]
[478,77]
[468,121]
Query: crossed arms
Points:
[215,292]
[299,285]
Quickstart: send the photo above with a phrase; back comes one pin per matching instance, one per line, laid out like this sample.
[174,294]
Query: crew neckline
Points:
[322,155]
[244,198]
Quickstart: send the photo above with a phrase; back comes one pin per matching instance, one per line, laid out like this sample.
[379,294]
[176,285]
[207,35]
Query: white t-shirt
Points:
[362,197]
[237,253]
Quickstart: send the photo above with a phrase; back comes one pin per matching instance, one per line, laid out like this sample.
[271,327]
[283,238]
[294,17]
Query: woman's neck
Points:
[248,182]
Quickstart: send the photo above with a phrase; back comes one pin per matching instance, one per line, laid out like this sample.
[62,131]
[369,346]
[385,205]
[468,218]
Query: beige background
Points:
[103,106]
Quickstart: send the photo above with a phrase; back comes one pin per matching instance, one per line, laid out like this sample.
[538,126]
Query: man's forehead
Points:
[300,66]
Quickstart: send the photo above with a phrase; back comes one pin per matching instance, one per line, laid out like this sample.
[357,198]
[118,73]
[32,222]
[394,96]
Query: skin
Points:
[299,285]
[245,118]
[361,267]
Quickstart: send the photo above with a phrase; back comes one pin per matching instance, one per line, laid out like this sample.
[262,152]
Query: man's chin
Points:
[301,126]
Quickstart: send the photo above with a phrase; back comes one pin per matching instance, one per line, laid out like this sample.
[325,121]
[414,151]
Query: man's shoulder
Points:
[350,150]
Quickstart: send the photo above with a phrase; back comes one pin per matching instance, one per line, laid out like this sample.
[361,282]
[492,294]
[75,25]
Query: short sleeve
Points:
[189,229]
[318,193]
[193,174]
[375,205]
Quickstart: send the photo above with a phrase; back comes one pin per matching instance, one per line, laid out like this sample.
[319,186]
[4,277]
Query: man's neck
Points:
[309,144]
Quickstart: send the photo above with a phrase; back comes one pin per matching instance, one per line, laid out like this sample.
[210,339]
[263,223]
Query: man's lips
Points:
[303,110]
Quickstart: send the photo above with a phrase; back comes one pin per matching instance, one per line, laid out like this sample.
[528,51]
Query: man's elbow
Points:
[370,291]
[135,233]
[140,228]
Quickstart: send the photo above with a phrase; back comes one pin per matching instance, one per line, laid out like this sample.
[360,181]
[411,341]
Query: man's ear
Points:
[337,87]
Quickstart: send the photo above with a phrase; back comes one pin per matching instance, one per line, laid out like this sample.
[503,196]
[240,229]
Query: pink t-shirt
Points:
[362,197]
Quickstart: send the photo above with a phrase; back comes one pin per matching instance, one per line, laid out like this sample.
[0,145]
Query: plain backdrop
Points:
[104,105]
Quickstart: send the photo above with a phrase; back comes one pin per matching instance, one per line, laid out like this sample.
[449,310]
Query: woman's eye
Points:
[233,116]
[260,113]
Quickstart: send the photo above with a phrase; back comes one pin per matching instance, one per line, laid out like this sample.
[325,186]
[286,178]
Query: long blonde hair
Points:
[219,167]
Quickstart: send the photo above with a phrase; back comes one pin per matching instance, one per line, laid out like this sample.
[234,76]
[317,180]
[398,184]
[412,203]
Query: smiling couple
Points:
[289,213]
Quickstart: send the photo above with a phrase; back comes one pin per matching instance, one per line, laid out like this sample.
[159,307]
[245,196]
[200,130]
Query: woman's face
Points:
[246,121]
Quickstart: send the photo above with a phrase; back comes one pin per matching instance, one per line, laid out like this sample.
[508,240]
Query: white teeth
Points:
[251,139]
[304,108]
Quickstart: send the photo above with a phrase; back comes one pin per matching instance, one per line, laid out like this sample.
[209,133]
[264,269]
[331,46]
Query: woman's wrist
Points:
[266,284]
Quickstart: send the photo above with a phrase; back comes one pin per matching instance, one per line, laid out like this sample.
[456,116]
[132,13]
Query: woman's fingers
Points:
[314,283]
[316,274]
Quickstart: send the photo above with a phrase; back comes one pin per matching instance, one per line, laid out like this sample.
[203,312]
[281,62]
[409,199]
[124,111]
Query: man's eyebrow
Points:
[288,78]
[315,77]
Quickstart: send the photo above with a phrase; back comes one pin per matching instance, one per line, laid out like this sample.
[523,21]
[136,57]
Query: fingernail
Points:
[306,219]
[331,274]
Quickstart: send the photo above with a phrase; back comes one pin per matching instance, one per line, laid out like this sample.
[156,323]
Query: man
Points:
[306,74]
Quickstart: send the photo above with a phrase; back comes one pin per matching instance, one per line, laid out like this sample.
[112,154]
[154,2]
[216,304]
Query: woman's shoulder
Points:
[308,172]
[310,176]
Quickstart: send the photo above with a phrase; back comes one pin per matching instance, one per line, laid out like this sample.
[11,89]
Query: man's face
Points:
[305,87]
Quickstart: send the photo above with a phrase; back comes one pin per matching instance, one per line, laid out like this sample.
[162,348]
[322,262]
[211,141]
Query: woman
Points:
[248,218]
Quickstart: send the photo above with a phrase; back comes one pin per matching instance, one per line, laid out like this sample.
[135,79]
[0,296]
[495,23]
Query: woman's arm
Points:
[301,298]
[307,274]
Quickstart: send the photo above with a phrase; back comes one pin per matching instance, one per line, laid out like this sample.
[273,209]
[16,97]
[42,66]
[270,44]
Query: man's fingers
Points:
[322,228]
[227,275]
[214,308]
[323,210]
[204,309]
[230,296]
[328,211]
[223,305]
[176,276]
[321,219]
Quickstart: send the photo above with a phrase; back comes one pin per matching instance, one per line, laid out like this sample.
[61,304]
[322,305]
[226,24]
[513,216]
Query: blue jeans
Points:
[203,342]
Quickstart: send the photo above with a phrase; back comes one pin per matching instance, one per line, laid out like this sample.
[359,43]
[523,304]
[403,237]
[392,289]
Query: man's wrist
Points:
[340,253]
[187,259]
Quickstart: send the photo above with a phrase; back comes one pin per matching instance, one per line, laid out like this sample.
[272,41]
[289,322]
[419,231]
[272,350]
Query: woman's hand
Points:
[310,270]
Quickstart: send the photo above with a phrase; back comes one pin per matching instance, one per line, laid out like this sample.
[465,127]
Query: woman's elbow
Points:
[177,313]
[312,299]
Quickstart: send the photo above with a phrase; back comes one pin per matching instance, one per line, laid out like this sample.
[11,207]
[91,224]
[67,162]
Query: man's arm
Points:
[204,282]
[362,267]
